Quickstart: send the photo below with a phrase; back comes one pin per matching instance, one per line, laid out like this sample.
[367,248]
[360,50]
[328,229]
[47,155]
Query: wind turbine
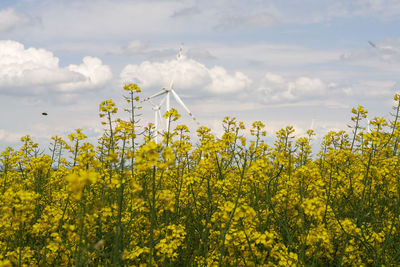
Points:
[167,91]
[157,117]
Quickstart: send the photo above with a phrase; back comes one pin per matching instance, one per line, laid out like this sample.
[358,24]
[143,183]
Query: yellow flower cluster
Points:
[228,201]
[77,182]
[108,106]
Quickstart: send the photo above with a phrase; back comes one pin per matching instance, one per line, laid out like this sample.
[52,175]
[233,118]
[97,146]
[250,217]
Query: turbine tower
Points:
[167,91]
[157,118]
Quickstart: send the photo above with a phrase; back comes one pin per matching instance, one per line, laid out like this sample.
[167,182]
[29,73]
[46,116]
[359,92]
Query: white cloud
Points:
[10,136]
[275,88]
[187,74]
[222,82]
[315,91]
[96,74]
[305,86]
[9,19]
[38,69]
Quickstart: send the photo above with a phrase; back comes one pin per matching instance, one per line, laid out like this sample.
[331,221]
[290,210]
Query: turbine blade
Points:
[179,55]
[163,91]
[179,100]
[159,116]
[372,44]
[155,122]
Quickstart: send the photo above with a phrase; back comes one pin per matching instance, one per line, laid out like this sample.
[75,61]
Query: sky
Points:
[288,62]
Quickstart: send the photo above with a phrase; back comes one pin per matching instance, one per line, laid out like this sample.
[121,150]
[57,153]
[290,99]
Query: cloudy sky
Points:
[289,62]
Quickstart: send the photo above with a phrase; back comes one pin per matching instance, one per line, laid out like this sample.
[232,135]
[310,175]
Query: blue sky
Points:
[285,62]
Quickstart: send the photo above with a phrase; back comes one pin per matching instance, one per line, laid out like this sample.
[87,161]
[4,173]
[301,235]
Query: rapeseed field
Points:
[228,201]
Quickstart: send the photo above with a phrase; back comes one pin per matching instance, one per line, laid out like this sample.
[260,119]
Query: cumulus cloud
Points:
[223,82]
[187,74]
[96,74]
[38,69]
[10,18]
[275,88]
[22,67]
